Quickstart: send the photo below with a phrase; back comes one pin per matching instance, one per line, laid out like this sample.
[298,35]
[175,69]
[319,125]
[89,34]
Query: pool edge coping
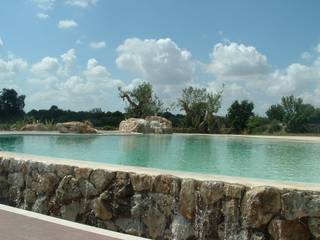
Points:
[306,139]
[250,182]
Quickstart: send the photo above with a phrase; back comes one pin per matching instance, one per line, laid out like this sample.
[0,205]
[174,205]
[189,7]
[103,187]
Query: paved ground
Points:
[16,226]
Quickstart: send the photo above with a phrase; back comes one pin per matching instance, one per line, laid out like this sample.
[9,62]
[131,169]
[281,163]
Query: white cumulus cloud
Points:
[81,3]
[10,69]
[97,45]
[46,67]
[42,15]
[45,5]
[65,83]
[67,23]
[235,59]
[1,43]
[158,61]
[247,75]
[68,62]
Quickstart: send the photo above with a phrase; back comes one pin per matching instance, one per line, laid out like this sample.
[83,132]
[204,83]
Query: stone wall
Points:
[162,206]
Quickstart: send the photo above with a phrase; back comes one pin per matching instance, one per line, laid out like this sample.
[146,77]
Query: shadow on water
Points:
[11,143]
[76,140]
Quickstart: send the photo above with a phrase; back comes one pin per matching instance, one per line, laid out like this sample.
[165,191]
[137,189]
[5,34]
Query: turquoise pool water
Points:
[246,157]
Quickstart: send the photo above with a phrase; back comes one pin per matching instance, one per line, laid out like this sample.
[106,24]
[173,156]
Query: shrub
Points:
[109,128]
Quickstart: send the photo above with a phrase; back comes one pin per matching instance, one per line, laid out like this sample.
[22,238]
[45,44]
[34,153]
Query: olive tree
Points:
[200,107]
[276,112]
[141,101]
[296,113]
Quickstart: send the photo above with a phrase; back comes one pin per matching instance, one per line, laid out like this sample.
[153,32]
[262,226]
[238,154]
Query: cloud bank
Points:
[243,69]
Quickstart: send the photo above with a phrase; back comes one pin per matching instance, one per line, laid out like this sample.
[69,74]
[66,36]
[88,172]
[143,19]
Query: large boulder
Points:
[151,124]
[34,127]
[288,230]
[76,127]
[299,204]
[182,229]
[188,198]
[314,226]
[132,125]
[260,205]
[158,124]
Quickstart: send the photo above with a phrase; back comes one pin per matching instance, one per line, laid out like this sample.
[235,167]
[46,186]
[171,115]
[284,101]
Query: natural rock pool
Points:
[245,157]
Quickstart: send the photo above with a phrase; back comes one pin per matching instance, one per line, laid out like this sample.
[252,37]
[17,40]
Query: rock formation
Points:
[151,124]
[34,127]
[76,127]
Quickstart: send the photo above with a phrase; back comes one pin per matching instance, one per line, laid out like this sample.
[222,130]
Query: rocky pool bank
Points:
[159,206]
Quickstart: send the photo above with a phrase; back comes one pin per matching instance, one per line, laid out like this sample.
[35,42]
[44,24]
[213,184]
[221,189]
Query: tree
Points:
[200,107]
[141,101]
[11,105]
[276,112]
[239,114]
[296,113]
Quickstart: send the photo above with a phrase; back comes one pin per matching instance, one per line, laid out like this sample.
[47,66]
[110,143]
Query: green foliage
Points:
[262,125]
[275,127]
[315,117]
[141,101]
[98,118]
[50,125]
[21,123]
[109,128]
[11,105]
[176,119]
[200,107]
[276,112]
[5,126]
[296,113]
[239,115]
[257,124]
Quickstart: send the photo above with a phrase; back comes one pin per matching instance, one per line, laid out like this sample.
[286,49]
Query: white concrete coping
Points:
[306,139]
[250,182]
[65,223]
[312,139]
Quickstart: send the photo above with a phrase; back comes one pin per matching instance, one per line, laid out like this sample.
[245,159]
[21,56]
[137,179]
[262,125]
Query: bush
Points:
[5,126]
[50,125]
[109,128]
[261,125]
[257,124]
[275,127]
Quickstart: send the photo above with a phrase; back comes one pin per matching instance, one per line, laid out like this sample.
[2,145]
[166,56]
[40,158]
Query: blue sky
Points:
[75,53]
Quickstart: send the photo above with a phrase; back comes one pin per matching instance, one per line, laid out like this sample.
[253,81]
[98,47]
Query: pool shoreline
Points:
[314,139]
[252,157]
[251,182]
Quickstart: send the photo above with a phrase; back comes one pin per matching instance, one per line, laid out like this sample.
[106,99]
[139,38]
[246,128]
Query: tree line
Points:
[198,109]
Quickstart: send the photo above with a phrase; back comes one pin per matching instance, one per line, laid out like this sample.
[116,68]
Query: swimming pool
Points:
[231,156]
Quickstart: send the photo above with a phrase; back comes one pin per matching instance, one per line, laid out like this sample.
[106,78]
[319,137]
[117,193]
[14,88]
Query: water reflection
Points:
[197,153]
[76,140]
[11,143]
[144,150]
